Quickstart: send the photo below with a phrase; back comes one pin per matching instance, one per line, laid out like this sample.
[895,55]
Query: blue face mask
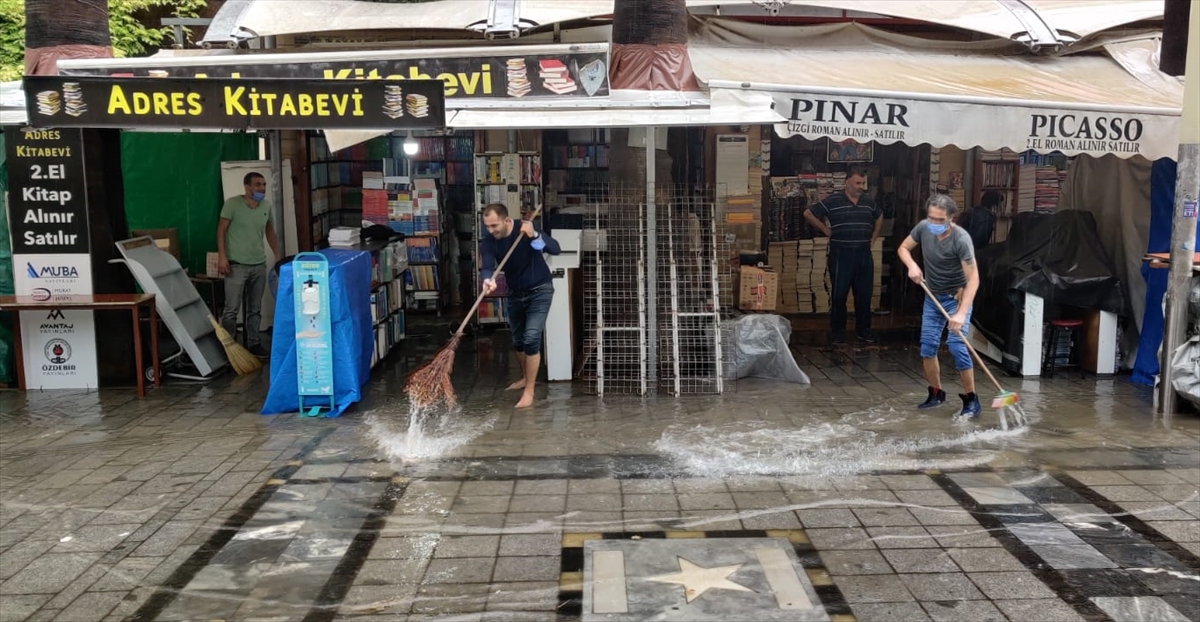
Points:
[937,229]
[258,196]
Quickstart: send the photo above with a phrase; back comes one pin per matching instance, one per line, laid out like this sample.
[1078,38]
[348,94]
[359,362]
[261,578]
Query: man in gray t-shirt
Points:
[951,274]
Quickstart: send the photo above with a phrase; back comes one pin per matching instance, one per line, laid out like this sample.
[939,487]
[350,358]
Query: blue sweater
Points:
[526,269]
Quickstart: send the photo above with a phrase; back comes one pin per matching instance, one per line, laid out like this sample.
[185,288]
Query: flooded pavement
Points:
[838,501]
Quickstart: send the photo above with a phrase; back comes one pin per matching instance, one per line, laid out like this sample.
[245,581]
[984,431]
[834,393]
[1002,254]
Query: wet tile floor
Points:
[834,502]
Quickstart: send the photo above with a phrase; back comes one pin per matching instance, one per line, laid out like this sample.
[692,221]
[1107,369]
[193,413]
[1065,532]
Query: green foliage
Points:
[12,39]
[131,36]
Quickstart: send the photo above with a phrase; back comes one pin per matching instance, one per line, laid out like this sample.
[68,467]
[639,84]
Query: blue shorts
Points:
[932,325]
[527,313]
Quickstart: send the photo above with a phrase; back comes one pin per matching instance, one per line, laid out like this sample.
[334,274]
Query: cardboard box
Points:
[166,239]
[758,289]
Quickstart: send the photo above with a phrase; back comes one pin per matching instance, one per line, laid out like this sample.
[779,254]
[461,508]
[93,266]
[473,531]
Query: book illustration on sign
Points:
[518,77]
[73,95]
[592,76]
[418,105]
[49,103]
[393,101]
[555,77]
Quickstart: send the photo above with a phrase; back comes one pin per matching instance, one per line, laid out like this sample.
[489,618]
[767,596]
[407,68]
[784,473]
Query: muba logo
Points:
[51,272]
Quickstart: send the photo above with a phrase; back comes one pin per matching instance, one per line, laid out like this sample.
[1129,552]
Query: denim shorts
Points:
[932,325]
[527,313]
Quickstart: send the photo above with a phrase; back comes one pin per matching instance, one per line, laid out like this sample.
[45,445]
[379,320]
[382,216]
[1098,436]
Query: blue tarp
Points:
[353,335]
[1162,211]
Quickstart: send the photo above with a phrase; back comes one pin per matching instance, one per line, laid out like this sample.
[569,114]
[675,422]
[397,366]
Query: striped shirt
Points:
[850,224]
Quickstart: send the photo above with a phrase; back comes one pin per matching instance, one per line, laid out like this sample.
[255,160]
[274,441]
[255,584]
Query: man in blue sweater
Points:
[530,287]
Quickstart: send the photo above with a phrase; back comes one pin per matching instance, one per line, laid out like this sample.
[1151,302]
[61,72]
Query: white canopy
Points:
[849,81]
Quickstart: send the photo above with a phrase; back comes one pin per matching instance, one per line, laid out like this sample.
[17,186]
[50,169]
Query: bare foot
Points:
[520,384]
[526,401]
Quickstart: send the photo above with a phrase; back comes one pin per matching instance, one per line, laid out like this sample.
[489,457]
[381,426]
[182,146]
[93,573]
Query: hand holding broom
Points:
[431,384]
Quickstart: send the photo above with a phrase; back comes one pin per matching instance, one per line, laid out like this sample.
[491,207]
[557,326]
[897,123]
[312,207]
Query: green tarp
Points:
[173,180]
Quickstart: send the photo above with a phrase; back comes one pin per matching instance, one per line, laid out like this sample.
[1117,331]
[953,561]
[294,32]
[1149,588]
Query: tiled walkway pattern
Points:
[189,505]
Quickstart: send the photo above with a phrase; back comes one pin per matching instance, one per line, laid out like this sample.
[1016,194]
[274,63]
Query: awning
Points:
[849,81]
[271,17]
[724,107]
[1041,23]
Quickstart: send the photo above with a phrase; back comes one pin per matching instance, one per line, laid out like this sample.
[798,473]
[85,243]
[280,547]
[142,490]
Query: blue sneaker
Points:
[936,398]
[971,407]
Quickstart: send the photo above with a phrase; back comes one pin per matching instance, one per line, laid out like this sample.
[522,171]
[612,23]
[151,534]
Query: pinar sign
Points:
[222,103]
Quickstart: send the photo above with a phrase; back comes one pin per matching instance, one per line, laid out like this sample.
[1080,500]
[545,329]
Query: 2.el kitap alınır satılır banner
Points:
[221,103]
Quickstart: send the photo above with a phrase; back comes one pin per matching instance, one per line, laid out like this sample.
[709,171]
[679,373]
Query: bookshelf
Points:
[508,170]
[576,163]
[1027,182]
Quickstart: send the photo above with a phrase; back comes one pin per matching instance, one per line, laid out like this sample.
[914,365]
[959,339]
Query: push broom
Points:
[1006,402]
[431,384]
[239,357]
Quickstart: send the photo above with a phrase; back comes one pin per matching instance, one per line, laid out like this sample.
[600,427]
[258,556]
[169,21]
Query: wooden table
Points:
[97,302]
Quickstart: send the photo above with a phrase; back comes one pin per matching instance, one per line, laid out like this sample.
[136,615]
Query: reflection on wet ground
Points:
[837,501]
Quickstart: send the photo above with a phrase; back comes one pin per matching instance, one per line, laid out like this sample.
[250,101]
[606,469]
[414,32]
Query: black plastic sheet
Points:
[1058,257]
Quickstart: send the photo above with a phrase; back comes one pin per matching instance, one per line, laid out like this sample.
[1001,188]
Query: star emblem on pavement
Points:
[697,580]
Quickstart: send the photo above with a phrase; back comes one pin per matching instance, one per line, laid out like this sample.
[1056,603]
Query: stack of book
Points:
[345,236]
[782,257]
[1046,190]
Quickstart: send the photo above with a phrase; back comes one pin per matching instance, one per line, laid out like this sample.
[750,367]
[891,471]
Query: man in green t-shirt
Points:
[241,259]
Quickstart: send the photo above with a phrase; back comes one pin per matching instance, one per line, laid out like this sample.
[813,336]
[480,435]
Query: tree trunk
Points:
[57,29]
[649,53]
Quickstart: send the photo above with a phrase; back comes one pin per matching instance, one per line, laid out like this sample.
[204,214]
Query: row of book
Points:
[423,277]
[577,156]
[805,285]
[509,168]
[387,299]
[387,334]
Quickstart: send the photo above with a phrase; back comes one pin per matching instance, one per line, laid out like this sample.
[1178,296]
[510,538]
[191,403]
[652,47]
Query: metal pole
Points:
[276,148]
[1183,227]
[651,257]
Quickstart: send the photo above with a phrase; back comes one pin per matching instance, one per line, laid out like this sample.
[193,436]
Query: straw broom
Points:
[431,384]
[239,357]
[1006,402]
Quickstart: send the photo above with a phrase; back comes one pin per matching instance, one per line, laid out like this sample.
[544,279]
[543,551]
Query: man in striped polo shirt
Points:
[851,221]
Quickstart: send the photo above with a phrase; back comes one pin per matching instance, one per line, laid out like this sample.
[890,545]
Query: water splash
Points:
[431,433]
[827,449]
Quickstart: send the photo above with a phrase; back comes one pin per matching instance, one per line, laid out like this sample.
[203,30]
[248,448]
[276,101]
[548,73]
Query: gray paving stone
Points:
[951,586]
[855,562]
[391,572]
[91,607]
[595,502]
[1124,608]
[538,503]
[49,574]
[530,545]
[168,538]
[909,482]
[1178,531]
[1047,609]
[96,538]
[529,596]
[415,547]
[873,589]
[889,612]
[460,570]
[18,607]
[480,504]
[487,488]
[880,517]
[901,537]
[706,501]
[840,538]
[18,555]
[528,568]
[1147,477]
[1126,493]
[920,560]
[963,611]
[836,517]
[985,559]
[446,599]
[1010,585]
[593,487]
[467,546]
[551,487]
[700,486]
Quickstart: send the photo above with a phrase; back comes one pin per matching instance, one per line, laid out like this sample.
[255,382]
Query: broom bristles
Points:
[242,361]
[430,384]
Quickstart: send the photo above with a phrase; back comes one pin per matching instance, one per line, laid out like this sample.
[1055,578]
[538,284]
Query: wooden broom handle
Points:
[962,337]
[499,267]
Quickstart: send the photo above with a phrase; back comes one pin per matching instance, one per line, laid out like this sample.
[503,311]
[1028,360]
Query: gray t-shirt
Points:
[944,258]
